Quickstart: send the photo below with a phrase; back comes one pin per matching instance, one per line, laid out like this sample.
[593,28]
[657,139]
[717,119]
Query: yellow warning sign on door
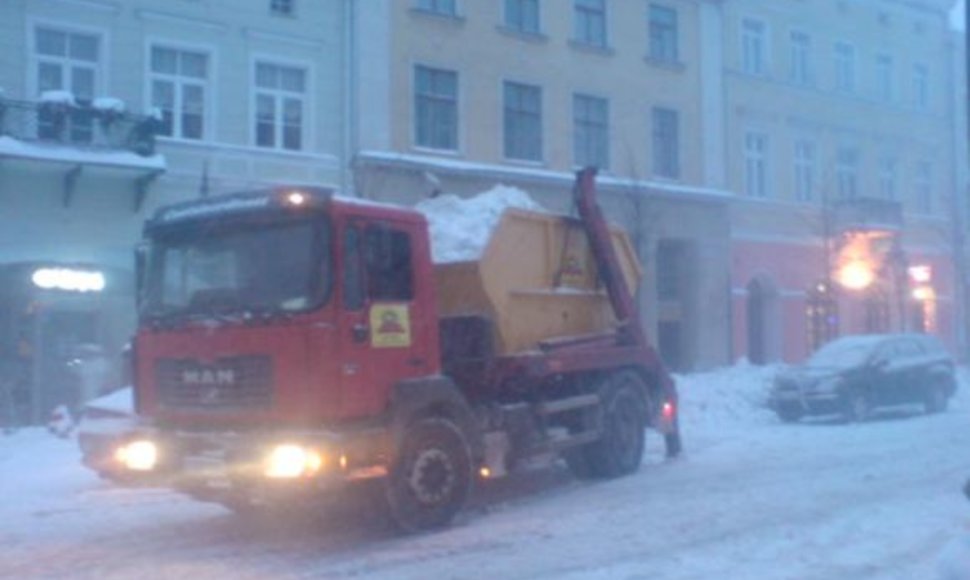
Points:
[390,326]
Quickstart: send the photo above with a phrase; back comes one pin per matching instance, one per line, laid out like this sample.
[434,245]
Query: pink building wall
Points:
[790,269]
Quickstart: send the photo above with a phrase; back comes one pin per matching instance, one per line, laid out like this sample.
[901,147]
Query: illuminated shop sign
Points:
[68,279]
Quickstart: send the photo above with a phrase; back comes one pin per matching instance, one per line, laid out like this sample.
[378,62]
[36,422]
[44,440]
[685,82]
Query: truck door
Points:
[381,343]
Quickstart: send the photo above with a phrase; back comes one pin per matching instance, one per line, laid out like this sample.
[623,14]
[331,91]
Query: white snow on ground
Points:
[751,499]
[461,228]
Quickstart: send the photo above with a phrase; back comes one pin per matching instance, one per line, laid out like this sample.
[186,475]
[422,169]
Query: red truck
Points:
[292,341]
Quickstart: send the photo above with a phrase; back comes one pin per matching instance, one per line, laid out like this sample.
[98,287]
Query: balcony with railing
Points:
[77,139]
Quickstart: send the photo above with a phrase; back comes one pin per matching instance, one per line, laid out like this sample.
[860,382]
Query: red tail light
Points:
[668,410]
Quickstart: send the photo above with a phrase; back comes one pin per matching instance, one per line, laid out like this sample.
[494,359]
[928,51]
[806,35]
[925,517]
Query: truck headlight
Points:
[138,455]
[289,461]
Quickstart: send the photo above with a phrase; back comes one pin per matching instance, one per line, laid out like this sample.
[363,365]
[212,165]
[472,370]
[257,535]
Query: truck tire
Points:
[430,479]
[620,449]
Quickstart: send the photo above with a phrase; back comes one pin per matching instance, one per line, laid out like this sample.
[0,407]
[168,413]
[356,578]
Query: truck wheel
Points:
[620,449]
[430,480]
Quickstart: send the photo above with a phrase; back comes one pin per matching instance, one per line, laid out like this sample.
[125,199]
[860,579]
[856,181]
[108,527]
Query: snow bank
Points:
[121,401]
[460,228]
[727,398]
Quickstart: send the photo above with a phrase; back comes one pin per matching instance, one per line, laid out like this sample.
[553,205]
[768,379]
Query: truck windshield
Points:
[278,268]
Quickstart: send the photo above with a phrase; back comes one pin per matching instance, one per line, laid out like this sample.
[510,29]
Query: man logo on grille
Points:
[209,377]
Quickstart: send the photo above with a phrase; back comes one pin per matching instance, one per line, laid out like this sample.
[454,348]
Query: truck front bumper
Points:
[260,466]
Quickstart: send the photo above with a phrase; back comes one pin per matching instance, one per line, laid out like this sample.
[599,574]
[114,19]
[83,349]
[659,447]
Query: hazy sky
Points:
[956,17]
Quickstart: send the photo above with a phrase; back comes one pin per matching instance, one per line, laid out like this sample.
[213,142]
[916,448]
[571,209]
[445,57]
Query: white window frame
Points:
[208,87]
[603,13]
[282,8]
[921,86]
[888,177]
[307,134]
[576,130]
[674,57]
[517,26]
[885,83]
[805,163]
[435,7]
[756,157]
[506,83]
[665,149]
[845,67]
[754,46]
[847,172]
[800,58]
[414,107]
[100,69]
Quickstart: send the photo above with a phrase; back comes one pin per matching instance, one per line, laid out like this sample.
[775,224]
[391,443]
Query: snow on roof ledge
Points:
[541,175]
[43,151]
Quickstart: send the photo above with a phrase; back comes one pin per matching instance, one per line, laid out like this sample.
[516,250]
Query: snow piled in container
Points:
[460,228]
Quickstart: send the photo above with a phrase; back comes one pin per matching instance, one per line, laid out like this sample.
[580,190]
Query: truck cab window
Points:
[353,282]
[387,255]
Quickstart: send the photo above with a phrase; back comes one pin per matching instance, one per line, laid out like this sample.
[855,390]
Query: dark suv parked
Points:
[853,375]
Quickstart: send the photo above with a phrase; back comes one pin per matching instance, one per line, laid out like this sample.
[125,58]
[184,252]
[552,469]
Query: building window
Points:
[589,22]
[282,7]
[923,186]
[523,122]
[804,170]
[800,66]
[663,33]
[522,15]
[755,164]
[847,173]
[436,108]
[591,131]
[179,80]
[921,86]
[884,77]
[67,61]
[446,7]
[754,46]
[666,143]
[281,95]
[887,178]
[844,67]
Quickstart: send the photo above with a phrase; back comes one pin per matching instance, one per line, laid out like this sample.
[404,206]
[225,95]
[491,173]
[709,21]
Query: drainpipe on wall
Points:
[349,93]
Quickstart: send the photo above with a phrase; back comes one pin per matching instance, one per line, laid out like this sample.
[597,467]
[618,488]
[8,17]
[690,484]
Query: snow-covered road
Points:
[751,499]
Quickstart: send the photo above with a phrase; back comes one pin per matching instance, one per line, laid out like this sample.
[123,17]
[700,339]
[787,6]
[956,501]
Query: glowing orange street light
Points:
[856,275]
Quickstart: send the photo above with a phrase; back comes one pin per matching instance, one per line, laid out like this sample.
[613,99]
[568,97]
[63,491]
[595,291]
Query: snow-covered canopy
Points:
[460,228]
